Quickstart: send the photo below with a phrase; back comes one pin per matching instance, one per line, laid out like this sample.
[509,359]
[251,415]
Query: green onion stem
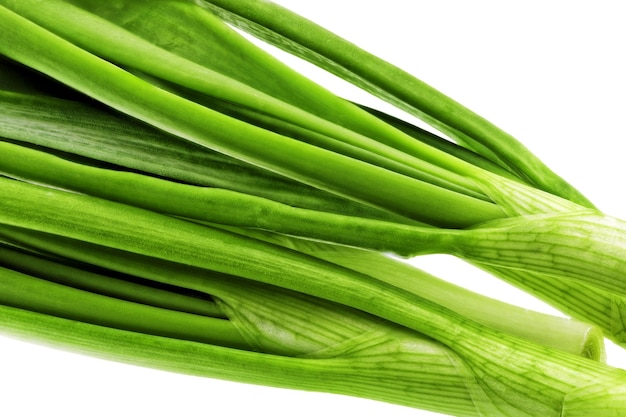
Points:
[277,80]
[124,288]
[557,380]
[303,38]
[234,208]
[605,309]
[206,204]
[352,330]
[402,164]
[94,133]
[40,49]
[434,376]
[568,335]
[547,330]
[584,246]
[445,145]
[26,292]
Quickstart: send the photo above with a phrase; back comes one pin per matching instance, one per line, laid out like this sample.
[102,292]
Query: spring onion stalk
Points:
[279,334]
[67,31]
[215,205]
[206,204]
[439,142]
[208,360]
[297,35]
[98,135]
[557,382]
[101,282]
[584,300]
[603,308]
[313,98]
[380,248]
[205,50]
[226,207]
[401,275]
[109,41]
[230,136]
[19,122]
[538,243]
[196,228]
[564,334]
[21,112]
[409,168]
[35,294]
[577,298]
[46,22]
[430,365]
[271,319]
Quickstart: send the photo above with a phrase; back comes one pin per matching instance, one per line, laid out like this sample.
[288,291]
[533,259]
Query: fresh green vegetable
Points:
[103,282]
[99,135]
[568,335]
[480,348]
[348,177]
[304,38]
[43,121]
[168,185]
[236,209]
[42,296]
[361,376]
[537,243]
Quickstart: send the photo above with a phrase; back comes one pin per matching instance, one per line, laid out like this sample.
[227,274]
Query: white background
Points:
[549,72]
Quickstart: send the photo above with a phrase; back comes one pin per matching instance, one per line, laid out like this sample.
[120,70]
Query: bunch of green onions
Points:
[175,197]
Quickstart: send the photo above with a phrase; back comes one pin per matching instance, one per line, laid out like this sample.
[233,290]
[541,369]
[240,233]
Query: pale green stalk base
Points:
[569,335]
[586,302]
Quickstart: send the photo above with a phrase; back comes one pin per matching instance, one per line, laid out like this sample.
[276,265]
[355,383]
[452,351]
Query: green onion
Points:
[236,209]
[42,296]
[189,120]
[102,282]
[304,38]
[520,243]
[176,197]
[430,364]
[479,347]
[99,135]
[568,335]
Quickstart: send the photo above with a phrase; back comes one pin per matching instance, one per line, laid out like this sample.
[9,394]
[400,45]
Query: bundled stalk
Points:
[200,207]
